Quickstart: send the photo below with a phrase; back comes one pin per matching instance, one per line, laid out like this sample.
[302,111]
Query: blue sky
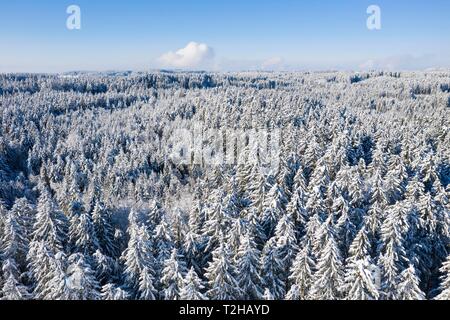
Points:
[224,35]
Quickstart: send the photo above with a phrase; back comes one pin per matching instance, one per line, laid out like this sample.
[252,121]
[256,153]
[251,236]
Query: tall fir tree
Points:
[172,276]
[221,275]
[192,287]
[247,262]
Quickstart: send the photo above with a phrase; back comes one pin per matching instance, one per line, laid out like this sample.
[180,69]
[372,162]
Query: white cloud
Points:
[272,63]
[193,56]
[402,62]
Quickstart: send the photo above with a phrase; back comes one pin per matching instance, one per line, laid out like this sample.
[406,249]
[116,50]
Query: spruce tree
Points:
[247,262]
[147,289]
[12,288]
[136,256]
[272,269]
[301,274]
[48,226]
[445,281]
[192,287]
[104,230]
[172,276]
[221,275]
[81,279]
[329,275]
[408,287]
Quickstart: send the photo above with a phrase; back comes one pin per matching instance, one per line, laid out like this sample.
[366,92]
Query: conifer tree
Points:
[14,241]
[81,279]
[104,230]
[221,275]
[247,262]
[272,269]
[136,256]
[12,288]
[48,226]
[82,232]
[286,242]
[111,292]
[172,276]
[192,287]
[301,274]
[328,278]
[268,295]
[445,281]
[274,208]
[40,266]
[146,289]
[408,287]
[392,259]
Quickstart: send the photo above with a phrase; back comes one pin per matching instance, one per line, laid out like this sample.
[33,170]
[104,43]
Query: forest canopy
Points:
[93,205]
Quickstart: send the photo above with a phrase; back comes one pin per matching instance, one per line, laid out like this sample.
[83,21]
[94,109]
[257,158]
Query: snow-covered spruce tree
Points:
[81,279]
[373,219]
[392,259]
[162,245]
[136,256]
[254,228]
[106,268]
[221,275]
[316,204]
[408,287]
[49,227]
[329,275]
[268,295]
[24,214]
[82,235]
[12,288]
[445,281]
[286,241]
[217,216]
[434,221]
[154,214]
[297,206]
[192,287]
[104,230]
[178,224]
[312,154]
[192,248]
[14,239]
[111,292]
[360,281]
[320,179]
[236,230]
[257,190]
[247,261]
[172,276]
[40,262]
[345,224]
[274,208]
[301,274]
[243,175]
[272,269]
[62,288]
[378,193]
[147,289]
[427,170]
